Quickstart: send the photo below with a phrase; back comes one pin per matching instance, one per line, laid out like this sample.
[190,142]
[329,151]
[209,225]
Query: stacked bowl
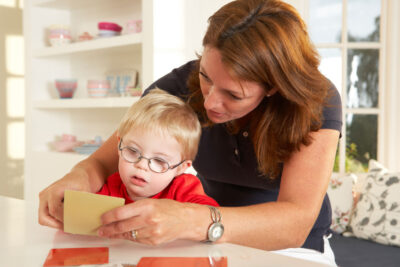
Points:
[59,35]
[98,88]
[66,87]
[135,91]
[66,144]
[134,26]
[90,146]
[109,29]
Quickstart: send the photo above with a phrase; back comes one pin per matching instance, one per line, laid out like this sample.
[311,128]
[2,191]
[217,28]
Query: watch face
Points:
[215,232]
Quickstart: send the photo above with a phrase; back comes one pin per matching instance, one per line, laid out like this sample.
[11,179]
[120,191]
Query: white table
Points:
[23,242]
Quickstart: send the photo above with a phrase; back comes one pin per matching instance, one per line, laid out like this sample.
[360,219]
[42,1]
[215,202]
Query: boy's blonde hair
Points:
[159,111]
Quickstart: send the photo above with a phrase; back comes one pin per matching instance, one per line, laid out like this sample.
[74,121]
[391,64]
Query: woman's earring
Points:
[271,92]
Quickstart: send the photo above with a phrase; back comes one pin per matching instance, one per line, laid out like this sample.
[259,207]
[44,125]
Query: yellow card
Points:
[82,211]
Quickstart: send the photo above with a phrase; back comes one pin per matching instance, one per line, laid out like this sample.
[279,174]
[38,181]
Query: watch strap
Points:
[216,218]
[215,214]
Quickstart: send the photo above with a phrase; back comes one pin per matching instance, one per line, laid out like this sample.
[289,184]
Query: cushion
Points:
[376,215]
[341,198]
[375,166]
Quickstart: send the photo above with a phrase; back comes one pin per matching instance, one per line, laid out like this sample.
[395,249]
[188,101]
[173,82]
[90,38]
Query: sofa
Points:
[354,252]
[366,217]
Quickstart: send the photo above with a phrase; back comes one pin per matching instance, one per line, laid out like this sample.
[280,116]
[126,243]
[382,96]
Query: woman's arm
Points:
[88,175]
[271,226]
[288,221]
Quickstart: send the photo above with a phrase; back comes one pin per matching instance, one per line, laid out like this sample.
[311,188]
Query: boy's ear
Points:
[184,166]
[119,140]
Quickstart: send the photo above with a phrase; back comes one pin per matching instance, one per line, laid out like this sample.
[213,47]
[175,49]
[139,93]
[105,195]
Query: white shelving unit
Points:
[171,35]
[130,42]
[48,116]
[83,103]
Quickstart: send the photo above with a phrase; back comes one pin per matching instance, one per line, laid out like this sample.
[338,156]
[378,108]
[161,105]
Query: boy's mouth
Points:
[138,181]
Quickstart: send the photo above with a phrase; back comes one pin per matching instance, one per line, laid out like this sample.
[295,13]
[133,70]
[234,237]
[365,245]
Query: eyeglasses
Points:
[157,165]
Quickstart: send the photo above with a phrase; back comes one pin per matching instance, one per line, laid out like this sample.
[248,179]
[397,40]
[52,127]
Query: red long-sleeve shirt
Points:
[183,188]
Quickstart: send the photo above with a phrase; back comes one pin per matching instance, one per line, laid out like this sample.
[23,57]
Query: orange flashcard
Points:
[182,261]
[76,256]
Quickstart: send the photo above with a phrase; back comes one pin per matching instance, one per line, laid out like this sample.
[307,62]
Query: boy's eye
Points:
[133,151]
[159,161]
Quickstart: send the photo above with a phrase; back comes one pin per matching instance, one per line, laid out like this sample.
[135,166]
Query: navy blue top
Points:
[227,165]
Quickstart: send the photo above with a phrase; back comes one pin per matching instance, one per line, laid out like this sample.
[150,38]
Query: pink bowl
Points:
[66,93]
[68,138]
[98,92]
[60,31]
[66,88]
[60,36]
[95,84]
[66,146]
[134,26]
[135,91]
[66,83]
[109,26]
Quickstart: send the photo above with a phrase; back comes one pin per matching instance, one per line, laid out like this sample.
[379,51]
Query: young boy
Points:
[158,139]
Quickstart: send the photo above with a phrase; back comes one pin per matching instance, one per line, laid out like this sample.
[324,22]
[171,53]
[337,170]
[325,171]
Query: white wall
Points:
[178,37]
[11,99]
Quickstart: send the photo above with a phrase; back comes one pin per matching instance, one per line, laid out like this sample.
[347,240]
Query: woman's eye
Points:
[205,76]
[234,97]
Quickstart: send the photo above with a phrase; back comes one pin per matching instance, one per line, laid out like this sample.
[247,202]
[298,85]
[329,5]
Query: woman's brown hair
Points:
[266,41]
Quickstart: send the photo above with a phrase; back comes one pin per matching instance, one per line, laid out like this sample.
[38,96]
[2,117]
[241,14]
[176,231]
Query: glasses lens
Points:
[131,155]
[158,165]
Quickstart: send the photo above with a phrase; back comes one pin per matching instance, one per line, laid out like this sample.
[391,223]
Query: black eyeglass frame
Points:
[120,148]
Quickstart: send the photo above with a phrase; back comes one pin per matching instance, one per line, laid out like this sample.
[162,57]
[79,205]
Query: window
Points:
[349,37]
[12,97]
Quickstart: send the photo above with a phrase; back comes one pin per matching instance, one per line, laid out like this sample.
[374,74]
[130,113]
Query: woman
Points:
[271,128]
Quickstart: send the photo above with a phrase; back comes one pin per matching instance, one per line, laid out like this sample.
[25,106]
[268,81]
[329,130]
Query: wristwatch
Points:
[216,229]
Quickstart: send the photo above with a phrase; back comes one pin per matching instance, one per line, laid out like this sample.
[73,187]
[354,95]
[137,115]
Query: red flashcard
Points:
[182,261]
[76,256]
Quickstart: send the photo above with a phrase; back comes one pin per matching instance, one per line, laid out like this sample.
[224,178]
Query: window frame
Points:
[388,125]
[391,140]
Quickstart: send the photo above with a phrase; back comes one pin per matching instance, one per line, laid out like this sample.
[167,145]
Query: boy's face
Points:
[139,179]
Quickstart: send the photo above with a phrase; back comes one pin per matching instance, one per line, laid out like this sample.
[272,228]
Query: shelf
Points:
[83,116]
[107,102]
[69,4]
[70,156]
[128,40]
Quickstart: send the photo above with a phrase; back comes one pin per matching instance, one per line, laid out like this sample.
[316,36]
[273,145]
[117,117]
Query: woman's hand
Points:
[156,221]
[51,198]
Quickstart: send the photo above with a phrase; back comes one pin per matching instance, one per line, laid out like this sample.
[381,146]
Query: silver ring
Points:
[134,234]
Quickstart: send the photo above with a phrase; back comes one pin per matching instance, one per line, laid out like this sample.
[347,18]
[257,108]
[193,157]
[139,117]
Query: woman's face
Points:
[225,98]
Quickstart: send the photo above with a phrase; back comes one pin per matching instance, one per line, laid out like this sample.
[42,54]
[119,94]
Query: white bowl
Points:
[108,33]
[59,41]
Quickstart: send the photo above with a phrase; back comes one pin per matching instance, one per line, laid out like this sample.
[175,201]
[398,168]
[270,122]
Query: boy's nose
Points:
[143,164]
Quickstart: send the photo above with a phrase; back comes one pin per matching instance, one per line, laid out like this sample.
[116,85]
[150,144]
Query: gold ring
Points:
[134,234]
